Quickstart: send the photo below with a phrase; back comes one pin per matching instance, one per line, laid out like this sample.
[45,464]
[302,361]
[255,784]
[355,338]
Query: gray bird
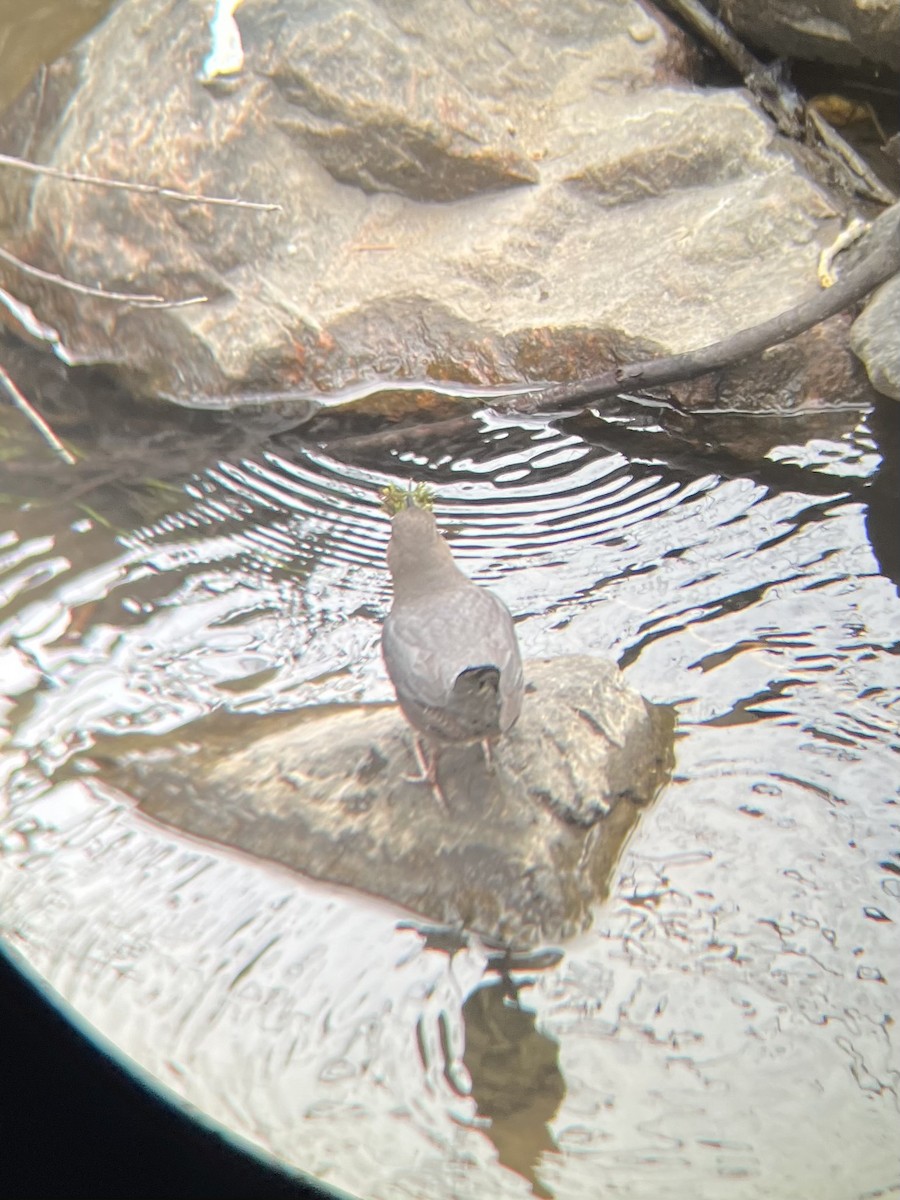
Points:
[449,646]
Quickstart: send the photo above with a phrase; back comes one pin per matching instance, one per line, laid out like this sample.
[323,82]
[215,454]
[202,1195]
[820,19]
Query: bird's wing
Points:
[431,639]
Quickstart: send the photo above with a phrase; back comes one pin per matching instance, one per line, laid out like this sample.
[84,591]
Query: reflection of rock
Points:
[516,1080]
[479,193]
[522,853]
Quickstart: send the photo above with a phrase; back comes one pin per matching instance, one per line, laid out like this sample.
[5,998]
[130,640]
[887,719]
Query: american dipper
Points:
[449,646]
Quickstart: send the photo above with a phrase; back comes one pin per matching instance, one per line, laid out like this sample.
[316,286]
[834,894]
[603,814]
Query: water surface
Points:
[724,1030]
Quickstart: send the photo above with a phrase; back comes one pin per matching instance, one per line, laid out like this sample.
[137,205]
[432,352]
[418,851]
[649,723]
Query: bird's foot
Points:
[427,763]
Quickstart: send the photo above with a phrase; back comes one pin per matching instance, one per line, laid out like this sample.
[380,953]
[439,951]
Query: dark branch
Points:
[858,282]
[874,270]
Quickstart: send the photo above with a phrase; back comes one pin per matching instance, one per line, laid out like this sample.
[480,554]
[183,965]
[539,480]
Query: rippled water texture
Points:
[725,1029]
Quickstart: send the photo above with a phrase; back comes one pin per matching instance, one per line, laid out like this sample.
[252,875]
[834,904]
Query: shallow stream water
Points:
[725,1028]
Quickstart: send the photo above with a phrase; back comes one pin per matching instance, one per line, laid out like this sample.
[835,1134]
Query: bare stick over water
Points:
[35,418]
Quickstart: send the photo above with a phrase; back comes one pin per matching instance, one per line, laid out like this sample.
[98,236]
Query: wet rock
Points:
[840,31]
[520,854]
[522,192]
[814,382]
[875,336]
[372,117]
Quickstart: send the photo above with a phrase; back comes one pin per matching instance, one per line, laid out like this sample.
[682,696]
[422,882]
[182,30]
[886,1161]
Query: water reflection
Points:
[515,1078]
[740,970]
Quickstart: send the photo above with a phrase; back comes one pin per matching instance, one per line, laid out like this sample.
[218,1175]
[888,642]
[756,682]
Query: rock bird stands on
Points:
[449,646]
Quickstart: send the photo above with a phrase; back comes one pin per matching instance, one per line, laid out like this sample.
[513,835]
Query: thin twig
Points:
[35,418]
[146,189]
[29,328]
[830,137]
[139,299]
[40,89]
[781,101]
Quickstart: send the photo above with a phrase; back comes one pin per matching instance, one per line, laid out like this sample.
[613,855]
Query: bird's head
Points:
[418,558]
[415,495]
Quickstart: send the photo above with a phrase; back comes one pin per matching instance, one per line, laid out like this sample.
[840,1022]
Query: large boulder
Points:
[520,853]
[510,193]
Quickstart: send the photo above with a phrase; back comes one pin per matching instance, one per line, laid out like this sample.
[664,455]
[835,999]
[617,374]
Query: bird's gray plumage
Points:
[449,646]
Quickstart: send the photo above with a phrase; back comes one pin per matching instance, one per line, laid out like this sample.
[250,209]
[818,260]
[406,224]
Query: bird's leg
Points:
[427,764]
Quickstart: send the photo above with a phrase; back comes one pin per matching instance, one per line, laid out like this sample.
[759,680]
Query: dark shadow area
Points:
[883,499]
[74,1123]
[129,452]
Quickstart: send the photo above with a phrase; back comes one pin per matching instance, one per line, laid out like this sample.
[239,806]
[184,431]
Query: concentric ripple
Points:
[745,953]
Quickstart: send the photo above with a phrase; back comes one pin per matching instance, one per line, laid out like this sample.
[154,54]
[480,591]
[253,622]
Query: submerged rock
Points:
[520,853]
